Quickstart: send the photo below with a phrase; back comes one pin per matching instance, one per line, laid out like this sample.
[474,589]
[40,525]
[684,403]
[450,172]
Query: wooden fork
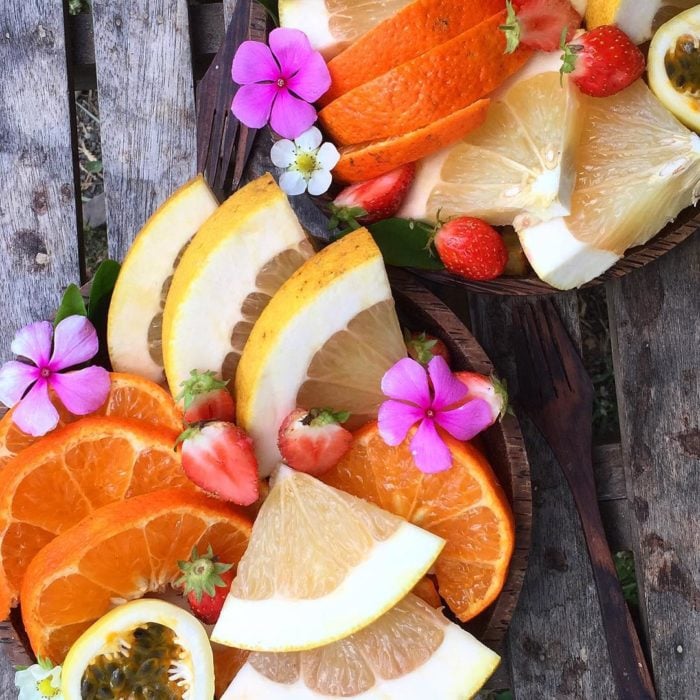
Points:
[557,393]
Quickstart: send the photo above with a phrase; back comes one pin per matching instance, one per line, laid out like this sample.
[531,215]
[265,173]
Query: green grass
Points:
[624,564]
[75,7]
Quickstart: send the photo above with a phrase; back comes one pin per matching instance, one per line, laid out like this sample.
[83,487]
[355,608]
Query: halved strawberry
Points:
[539,24]
[490,389]
[206,398]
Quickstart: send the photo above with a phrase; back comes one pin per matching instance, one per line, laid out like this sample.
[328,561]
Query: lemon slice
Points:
[674,66]
[136,310]
[324,341]
[631,183]
[146,643]
[226,277]
[638,19]
[331,25]
[321,564]
[519,162]
[410,653]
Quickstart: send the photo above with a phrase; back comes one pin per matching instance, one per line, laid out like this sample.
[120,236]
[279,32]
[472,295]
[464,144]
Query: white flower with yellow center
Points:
[42,681]
[307,163]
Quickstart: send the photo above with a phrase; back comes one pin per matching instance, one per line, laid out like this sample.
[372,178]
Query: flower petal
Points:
[252,104]
[15,378]
[312,79]
[407,381]
[447,389]
[429,450]
[396,419]
[466,421]
[319,182]
[291,48]
[254,63]
[35,414]
[283,153]
[291,116]
[310,140]
[34,342]
[82,391]
[74,341]
[328,156]
[292,182]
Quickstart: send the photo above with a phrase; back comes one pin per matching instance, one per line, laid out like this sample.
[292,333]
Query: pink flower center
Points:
[430,413]
[281,82]
[45,372]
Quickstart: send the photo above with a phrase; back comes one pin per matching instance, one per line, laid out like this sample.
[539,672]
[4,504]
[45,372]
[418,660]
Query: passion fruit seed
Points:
[145,668]
[682,64]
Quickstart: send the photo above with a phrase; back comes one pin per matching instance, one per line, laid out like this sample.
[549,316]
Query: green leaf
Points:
[271,9]
[72,304]
[93,166]
[102,287]
[624,564]
[406,243]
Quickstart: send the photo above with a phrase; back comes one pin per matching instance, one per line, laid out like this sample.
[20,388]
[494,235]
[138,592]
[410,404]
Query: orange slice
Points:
[447,78]
[121,552]
[130,396]
[51,485]
[465,505]
[360,163]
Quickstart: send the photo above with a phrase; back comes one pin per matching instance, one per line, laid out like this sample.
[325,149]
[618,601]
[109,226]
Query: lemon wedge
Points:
[321,564]
[674,66]
[324,341]
[226,277]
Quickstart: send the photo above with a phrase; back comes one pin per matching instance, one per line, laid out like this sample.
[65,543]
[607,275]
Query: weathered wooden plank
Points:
[144,78]
[38,217]
[609,472]
[7,676]
[656,350]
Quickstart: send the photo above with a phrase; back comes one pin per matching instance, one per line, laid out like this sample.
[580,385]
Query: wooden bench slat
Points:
[147,113]
[656,351]
[38,217]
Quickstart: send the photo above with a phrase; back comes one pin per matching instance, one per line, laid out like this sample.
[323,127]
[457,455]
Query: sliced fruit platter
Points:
[510,147]
[293,478]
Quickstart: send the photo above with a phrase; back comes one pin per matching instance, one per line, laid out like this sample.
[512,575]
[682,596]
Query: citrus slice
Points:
[130,396]
[226,277]
[631,183]
[136,309]
[118,553]
[639,20]
[674,66]
[464,505]
[144,644]
[520,161]
[410,653]
[333,24]
[325,341]
[321,564]
[51,485]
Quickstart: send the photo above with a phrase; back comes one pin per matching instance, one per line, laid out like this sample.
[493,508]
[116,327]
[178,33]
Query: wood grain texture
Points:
[656,349]
[144,78]
[38,218]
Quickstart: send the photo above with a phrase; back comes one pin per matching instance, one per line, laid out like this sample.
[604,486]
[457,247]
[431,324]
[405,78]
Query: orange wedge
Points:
[447,78]
[417,28]
[465,505]
[121,552]
[360,163]
[130,396]
[65,476]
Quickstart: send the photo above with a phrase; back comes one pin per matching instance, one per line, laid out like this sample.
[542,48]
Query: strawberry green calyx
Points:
[202,574]
[344,215]
[501,389]
[420,347]
[511,28]
[187,434]
[199,383]
[318,417]
[570,55]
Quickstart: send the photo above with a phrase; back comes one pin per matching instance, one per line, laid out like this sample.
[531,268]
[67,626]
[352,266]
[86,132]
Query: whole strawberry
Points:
[205,398]
[374,200]
[219,458]
[472,249]
[490,389]
[423,347]
[206,583]
[314,441]
[603,62]
[539,24]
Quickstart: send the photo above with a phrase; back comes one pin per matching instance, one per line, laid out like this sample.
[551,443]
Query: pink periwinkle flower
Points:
[278,82]
[25,386]
[430,399]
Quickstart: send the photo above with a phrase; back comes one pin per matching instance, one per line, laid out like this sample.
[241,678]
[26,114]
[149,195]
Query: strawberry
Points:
[603,61]
[470,248]
[219,458]
[205,398]
[314,441]
[490,389]
[374,200]
[423,347]
[539,24]
[206,583]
